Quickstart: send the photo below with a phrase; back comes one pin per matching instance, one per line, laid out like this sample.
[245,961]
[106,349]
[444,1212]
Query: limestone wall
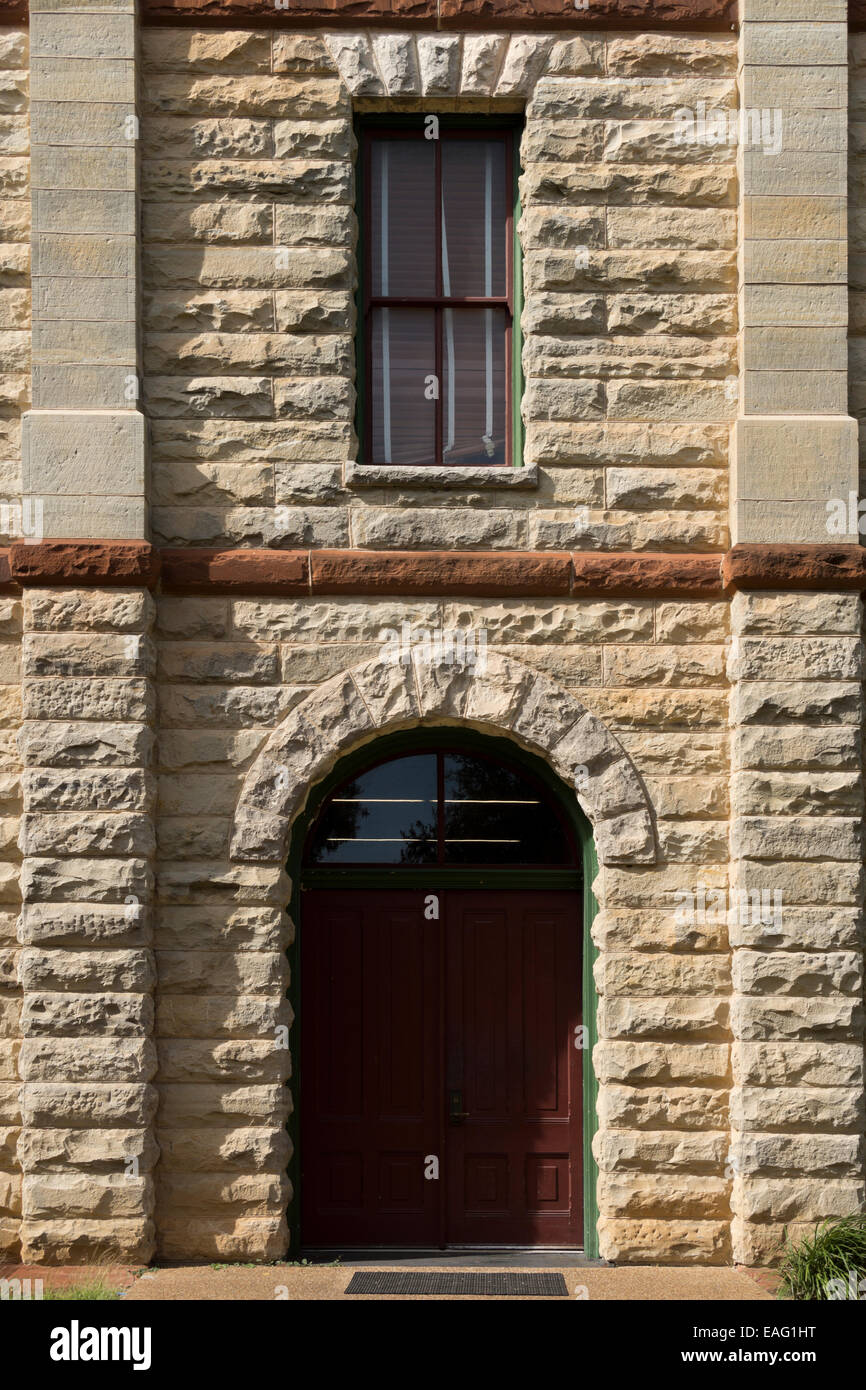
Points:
[249,233]
[229,670]
[152,950]
[14,398]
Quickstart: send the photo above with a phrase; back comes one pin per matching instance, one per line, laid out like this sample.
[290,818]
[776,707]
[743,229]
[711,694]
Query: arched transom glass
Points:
[441,807]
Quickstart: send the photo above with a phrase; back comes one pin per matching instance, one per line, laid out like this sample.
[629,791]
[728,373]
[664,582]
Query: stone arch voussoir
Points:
[502,697]
[374,66]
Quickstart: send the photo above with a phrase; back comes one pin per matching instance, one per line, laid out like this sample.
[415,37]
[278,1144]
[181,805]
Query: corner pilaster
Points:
[795,446]
[84,441]
[796,665]
[87,1147]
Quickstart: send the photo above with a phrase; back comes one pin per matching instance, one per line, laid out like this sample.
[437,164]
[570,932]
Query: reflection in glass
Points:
[384,816]
[404,413]
[473,218]
[495,815]
[490,812]
[403,216]
[473,386]
[439,233]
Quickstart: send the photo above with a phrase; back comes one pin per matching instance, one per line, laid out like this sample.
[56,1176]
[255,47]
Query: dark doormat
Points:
[543,1284]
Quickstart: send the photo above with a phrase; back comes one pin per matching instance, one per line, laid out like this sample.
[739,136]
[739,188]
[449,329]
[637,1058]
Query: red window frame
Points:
[437,302]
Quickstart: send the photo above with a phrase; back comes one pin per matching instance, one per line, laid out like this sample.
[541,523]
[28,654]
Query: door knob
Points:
[456,1113]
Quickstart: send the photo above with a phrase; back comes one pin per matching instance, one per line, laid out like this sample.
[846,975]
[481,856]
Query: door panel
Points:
[407,1024]
[513,998]
[370,1095]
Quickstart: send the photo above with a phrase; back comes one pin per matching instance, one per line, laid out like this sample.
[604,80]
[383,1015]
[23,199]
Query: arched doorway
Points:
[439,976]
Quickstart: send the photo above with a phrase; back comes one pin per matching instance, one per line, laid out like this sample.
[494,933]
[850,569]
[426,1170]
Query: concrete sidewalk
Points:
[312,1283]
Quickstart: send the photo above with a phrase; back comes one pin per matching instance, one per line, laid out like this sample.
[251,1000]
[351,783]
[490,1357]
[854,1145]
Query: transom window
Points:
[443,807]
[438,296]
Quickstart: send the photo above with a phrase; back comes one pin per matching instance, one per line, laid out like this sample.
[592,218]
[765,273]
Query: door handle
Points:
[456,1113]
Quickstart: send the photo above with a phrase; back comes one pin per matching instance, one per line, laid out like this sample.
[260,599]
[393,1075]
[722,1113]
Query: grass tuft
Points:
[95,1288]
[836,1251]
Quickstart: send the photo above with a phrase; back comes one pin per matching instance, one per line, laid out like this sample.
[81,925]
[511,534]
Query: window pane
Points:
[403,216]
[473,386]
[473,217]
[385,816]
[404,362]
[493,815]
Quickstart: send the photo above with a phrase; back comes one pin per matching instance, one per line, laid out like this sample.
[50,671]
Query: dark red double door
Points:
[440,1045]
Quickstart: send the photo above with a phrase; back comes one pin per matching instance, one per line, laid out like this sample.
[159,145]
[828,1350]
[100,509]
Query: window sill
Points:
[361,475]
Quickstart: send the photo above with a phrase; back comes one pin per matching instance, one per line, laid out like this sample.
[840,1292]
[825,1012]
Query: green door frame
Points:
[391,745]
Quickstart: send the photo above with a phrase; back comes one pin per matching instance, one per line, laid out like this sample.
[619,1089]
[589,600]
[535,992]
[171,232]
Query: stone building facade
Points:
[198,567]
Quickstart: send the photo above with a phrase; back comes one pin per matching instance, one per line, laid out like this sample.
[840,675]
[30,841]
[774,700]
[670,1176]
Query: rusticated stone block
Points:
[87,654]
[228,1149]
[795,1200]
[830,974]
[97,1015]
[679,1241]
[662,1062]
[47,1105]
[78,1241]
[222,972]
[102,971]
[663,1197]
[234,1060]
[87,880]
[59,744]
[755,1018]
[215,1194]
[246,1238]
[212,1016]
[67,1197]
[675,1107]
[89,1150]
[806,1108]
[90,1059]
[798,1064]
[88,610]
[213,1104]
[84,789]
[83,833]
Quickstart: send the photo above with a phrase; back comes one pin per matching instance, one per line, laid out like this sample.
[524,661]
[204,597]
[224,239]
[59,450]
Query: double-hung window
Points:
[437,299]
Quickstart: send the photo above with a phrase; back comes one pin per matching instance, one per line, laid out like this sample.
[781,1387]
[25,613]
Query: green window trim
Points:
[506,122]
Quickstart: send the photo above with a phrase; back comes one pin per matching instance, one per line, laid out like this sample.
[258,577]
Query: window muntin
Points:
[448,807]
[437,302]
